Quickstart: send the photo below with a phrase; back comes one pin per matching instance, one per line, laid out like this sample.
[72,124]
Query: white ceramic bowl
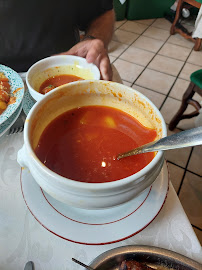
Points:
[84,93]
[58,65]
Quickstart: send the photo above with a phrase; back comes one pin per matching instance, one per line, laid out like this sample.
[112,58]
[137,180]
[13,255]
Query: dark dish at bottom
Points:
[157,258]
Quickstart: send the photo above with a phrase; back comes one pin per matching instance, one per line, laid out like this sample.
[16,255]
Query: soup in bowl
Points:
[72,138]
[51,72]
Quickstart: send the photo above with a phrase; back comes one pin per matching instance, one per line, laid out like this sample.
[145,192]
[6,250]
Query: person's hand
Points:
[94,52]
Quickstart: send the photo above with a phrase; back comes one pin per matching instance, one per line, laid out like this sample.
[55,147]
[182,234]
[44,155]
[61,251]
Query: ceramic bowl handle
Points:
[22,157]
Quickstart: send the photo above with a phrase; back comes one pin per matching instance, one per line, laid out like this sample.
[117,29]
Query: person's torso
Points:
[33,29]
[36,29]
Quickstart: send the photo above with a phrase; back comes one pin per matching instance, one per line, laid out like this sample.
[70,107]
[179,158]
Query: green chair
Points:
[183,32]
[195,86]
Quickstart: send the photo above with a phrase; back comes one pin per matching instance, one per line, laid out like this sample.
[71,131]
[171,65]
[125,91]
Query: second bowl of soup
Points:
[73,136]
[52,72]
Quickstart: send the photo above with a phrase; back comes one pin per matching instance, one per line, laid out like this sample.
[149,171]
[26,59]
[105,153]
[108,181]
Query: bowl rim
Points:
[71,57]
[86,185]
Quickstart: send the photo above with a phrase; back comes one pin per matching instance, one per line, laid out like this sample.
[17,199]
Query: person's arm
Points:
[95,49]
[103,27]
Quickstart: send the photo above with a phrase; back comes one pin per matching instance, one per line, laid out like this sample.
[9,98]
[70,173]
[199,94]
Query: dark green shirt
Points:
[33,29]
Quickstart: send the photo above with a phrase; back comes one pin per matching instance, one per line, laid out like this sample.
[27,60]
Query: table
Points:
[22,238]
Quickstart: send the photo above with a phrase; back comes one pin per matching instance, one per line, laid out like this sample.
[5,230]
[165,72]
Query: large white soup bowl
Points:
[84,93]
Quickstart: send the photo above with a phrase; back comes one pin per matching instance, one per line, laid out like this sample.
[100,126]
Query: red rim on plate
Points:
[70,223]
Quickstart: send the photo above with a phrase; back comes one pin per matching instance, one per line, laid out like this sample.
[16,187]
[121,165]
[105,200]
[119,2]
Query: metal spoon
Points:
[82,264]
[182,139]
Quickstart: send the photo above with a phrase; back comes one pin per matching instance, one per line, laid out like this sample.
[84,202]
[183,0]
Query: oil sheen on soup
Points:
[56,81]
[82,144]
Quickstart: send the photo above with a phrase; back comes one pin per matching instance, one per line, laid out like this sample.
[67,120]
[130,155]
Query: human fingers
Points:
[89,49]
[79,50]
[105,68]
[94,49]
[72,51]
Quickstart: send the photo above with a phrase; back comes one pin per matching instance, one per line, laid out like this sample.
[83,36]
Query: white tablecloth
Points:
[22,238]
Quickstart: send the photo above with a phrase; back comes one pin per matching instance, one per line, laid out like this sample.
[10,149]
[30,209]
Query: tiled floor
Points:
[159,65]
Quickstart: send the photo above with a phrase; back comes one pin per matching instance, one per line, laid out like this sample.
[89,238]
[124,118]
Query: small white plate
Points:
[10,121]
[95,227]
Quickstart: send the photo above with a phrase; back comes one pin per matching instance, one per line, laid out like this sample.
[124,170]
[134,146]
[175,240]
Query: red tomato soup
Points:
[82,144]
[56,81]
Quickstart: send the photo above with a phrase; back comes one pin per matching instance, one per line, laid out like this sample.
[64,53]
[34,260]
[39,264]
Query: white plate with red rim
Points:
[95,227]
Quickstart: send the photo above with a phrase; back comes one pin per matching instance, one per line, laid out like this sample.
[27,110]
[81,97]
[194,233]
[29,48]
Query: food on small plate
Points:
[133,265]
[4,92]
[56,81]
[82,144]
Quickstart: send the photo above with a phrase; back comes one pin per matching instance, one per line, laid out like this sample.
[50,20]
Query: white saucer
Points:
[95,227]
[10,121]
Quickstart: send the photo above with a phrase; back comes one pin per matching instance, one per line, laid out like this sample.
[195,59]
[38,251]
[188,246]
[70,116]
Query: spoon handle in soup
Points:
[182,139]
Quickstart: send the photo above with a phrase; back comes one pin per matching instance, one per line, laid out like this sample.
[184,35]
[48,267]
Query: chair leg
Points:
[177,16]
[187,95]
[196,105]
[197,45]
